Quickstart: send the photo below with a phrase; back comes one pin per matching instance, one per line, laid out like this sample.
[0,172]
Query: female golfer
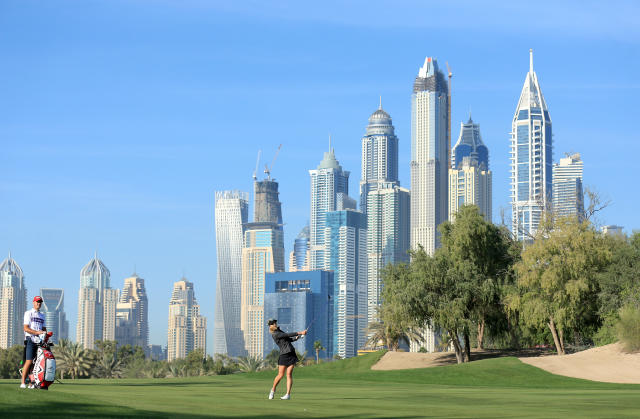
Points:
[287,360]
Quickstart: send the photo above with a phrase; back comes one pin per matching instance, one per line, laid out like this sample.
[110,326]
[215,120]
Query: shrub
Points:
[628,328]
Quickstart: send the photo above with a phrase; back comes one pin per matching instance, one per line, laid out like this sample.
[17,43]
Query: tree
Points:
[108,367]
[10,361]
[556,277]
[76,360]
[250,363]
[317,346]
[271,360]
[480,257]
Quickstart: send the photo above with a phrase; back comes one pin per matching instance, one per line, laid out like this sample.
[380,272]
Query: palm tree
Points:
[109,367]
[302,357]
[250,363]
[390,335]
[317,345]
[59,351]
[75,359]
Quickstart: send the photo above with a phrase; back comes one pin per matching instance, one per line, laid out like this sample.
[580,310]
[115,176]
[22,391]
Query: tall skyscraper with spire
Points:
[187,328]
[13,303]
[53,309]
[531,158]
[231,214]
[470,177]
[96,305]
[384,202]
[429,155]
[329,186]
[263,252]
[132,314]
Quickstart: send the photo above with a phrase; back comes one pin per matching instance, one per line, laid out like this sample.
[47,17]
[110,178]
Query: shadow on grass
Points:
[86,410]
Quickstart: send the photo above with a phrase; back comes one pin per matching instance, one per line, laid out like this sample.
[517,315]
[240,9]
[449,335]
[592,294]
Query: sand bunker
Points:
[606,363]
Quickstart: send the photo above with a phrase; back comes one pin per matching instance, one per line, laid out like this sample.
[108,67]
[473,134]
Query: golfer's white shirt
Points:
[35,320]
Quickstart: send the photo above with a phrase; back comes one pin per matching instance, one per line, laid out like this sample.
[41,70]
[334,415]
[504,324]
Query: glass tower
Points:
[53,309]
[231,214]
[328,180]
[531,158]
[346,233]
[429,155]
[470,177]
[300,255]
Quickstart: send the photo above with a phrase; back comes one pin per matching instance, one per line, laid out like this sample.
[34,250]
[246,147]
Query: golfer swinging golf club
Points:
[287,360]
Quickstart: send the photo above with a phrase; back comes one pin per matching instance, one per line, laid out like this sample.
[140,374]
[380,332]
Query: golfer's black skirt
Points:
[287,359]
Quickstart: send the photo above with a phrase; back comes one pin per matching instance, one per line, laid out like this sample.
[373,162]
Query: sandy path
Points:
[605,363]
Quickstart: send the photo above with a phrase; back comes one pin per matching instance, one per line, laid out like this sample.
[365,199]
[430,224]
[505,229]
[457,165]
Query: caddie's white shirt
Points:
[35,320]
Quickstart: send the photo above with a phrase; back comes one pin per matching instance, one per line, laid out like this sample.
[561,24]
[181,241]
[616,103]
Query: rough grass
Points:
[495,388]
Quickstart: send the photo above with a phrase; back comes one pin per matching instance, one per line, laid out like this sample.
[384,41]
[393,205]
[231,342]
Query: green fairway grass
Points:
[493,388]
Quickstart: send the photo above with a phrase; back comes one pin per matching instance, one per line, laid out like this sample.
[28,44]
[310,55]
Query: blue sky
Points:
[119,119]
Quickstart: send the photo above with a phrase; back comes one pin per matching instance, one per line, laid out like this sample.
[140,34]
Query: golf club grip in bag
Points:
[44,366]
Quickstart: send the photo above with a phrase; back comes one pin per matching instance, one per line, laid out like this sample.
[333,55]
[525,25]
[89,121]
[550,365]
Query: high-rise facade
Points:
[346,243]
[263,252]
[187,328]
[300,256]
[328,181]
[531,158]
[231,214]
[379,155]
[96,305]
[568,196]
[387,237]
[470,178]
[384,202]
[132,315]
[300,300]
[54,314]
[429,155]
[13,303]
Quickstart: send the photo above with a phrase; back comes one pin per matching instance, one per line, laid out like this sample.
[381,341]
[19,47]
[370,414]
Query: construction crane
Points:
[255,177]
[449,115]
[267,169]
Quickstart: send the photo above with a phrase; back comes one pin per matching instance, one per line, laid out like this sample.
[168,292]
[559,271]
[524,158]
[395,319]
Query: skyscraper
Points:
[299,300]
[470,177]
[384,202]
[346,233]
[96,305]
[263,252]
[53,309]
[13,303]
[379,154]
[531,158]
[187,328]
[568,198]
[429,155]
[132,317]
[231,214]
[300,255]
[387,237]
[328,180]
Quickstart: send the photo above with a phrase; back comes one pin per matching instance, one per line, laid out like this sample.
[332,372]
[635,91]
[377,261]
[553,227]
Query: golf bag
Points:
[44,366]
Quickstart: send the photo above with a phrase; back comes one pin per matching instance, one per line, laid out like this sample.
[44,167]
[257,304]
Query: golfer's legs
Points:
[281,369]
[289,378]
[25,369]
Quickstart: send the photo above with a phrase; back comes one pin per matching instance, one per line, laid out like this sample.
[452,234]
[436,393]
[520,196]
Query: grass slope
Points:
[491,388]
